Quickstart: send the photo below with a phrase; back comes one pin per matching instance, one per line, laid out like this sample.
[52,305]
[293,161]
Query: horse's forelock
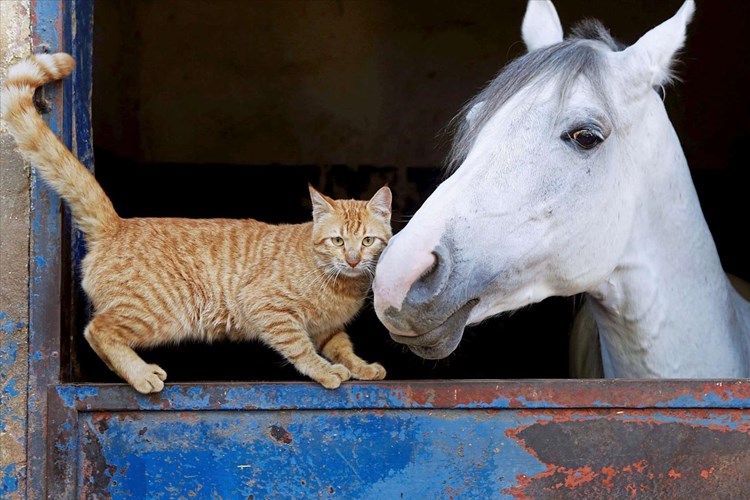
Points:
[593,29]
[564,62]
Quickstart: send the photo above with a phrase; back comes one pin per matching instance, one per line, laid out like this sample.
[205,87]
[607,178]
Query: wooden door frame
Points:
[59,25]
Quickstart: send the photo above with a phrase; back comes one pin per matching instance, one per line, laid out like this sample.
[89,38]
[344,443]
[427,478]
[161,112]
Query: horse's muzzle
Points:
[441,341]
[431,316]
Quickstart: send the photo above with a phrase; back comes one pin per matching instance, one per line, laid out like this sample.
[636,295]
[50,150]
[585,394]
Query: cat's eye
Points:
[338,241]
[368,240]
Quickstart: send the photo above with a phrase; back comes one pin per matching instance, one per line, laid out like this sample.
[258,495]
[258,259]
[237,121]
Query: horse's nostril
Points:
[433,280]
[432,267]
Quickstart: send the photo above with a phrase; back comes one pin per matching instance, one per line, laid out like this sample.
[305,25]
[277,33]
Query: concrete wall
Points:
[15,42]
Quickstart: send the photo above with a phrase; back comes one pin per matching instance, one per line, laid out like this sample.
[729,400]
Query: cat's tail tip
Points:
[40,69]
[27,75]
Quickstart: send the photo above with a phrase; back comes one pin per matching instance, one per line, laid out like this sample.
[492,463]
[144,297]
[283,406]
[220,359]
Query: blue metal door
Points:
[490,439]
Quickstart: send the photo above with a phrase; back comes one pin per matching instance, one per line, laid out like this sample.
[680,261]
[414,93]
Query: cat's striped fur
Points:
[155,281]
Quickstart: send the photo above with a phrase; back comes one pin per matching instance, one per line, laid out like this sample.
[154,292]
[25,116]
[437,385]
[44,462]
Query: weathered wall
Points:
[15,41]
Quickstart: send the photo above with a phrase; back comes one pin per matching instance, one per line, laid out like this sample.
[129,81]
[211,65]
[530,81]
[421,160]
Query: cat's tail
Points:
[92,209]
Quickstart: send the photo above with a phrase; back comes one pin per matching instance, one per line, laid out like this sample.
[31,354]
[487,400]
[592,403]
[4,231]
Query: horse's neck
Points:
[668,309]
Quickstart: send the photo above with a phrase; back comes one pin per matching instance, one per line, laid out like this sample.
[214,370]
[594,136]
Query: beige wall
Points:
[15,42]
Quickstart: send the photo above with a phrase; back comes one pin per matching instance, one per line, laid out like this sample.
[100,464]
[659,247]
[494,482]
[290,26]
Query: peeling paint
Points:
[46,232]
[231,455]
[417,439]
[528,395]
[9,481]
[8,325]
[71,397]
[587,456]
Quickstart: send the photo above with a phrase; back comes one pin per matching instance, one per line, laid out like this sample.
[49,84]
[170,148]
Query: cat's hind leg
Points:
[293,342]
[338,348]
[111,337]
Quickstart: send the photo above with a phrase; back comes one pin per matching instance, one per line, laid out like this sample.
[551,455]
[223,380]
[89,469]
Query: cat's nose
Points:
[352,261]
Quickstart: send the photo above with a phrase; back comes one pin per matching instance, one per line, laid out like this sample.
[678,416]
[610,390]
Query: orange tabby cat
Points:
[156,281]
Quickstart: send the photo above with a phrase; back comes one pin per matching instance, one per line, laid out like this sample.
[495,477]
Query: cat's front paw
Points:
[371,371]
[332,378]
[149,379]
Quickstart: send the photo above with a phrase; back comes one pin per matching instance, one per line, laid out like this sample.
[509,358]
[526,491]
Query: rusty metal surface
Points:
[473,439]
[44,283]
[55,25]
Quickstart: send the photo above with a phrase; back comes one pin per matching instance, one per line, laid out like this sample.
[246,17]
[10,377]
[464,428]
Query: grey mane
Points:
[565,61]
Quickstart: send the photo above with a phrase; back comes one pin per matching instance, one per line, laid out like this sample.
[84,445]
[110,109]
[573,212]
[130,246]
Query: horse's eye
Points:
[585,138]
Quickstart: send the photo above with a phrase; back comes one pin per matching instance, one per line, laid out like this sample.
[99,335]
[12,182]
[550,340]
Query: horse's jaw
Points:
[435,335]
[442,340]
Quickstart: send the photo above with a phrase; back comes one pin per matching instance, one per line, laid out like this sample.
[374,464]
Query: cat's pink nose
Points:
[353,261]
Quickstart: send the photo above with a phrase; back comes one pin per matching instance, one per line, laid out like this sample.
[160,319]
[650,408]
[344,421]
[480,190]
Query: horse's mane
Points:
[592,29]
[566,61]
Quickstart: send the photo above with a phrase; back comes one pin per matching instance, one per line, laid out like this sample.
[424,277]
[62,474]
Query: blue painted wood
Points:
[410,395]
[80,108]
[489,439]
[292,454]
[57,25]
[45,260]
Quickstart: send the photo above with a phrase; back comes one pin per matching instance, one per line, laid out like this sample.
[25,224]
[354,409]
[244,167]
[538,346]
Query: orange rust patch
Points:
[575,394]
[523,481]
[576,477]
[609,472]
[729,390]
[632,489]
[640,466]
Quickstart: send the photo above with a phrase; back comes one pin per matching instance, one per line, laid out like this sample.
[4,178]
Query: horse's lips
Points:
[439,342]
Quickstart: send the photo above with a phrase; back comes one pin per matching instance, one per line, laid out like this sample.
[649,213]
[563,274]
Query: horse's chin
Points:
[440,342]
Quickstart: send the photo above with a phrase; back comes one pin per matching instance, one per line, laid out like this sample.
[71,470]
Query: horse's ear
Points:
[541,26]
[652,55]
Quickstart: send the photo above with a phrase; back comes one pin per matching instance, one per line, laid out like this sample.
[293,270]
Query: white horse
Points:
[568,178]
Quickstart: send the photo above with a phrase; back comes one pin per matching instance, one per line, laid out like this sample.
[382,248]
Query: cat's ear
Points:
[380,203]
[321,204]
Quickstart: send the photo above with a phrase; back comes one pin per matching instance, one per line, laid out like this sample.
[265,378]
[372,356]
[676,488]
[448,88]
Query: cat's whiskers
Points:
[369,270]
[318,275]
[335,277]
[312,277]
[321,273]
[331,277]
